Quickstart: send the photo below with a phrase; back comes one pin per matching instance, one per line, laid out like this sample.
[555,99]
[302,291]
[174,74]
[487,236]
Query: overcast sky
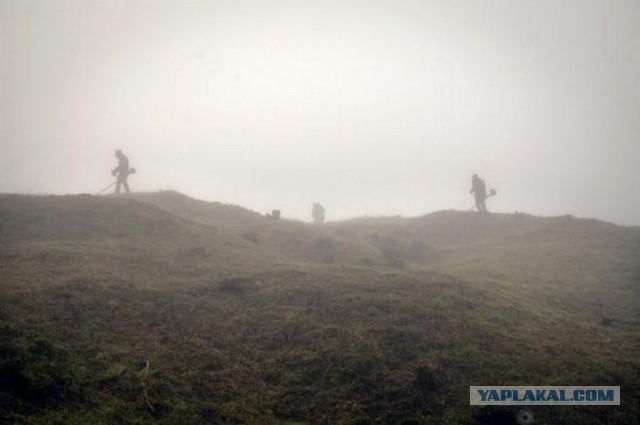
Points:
[368,107]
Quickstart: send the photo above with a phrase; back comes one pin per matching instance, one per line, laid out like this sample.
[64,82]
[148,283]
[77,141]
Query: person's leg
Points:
[118,184]
[478,203]
[126,185]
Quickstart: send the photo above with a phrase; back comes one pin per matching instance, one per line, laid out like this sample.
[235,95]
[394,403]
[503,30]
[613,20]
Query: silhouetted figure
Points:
[479,190]
[274,214]
[122,172]
[317,212]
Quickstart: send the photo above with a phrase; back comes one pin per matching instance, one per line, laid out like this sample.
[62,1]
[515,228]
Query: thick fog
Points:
[368,107]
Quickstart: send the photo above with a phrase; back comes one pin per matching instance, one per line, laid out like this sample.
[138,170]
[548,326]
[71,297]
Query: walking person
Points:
[479,190]
[122,172]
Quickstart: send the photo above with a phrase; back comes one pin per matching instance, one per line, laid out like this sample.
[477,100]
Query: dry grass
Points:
[115,310]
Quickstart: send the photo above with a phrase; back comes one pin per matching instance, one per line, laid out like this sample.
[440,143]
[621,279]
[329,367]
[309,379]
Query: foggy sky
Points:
[368,107]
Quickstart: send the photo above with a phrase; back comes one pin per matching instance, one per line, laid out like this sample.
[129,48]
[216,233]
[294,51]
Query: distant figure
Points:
[317,213]
[274,214]
[122,172]
[479,190]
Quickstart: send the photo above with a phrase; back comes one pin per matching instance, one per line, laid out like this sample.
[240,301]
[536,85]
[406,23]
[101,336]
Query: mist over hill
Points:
[159,308]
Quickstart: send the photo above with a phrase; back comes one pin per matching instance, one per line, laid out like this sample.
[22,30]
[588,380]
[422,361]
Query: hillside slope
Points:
[291,238]
[537,257]
[123,234]
[554,265]
[155,309]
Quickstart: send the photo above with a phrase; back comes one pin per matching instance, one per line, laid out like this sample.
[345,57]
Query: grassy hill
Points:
[294,239]
[158,308]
